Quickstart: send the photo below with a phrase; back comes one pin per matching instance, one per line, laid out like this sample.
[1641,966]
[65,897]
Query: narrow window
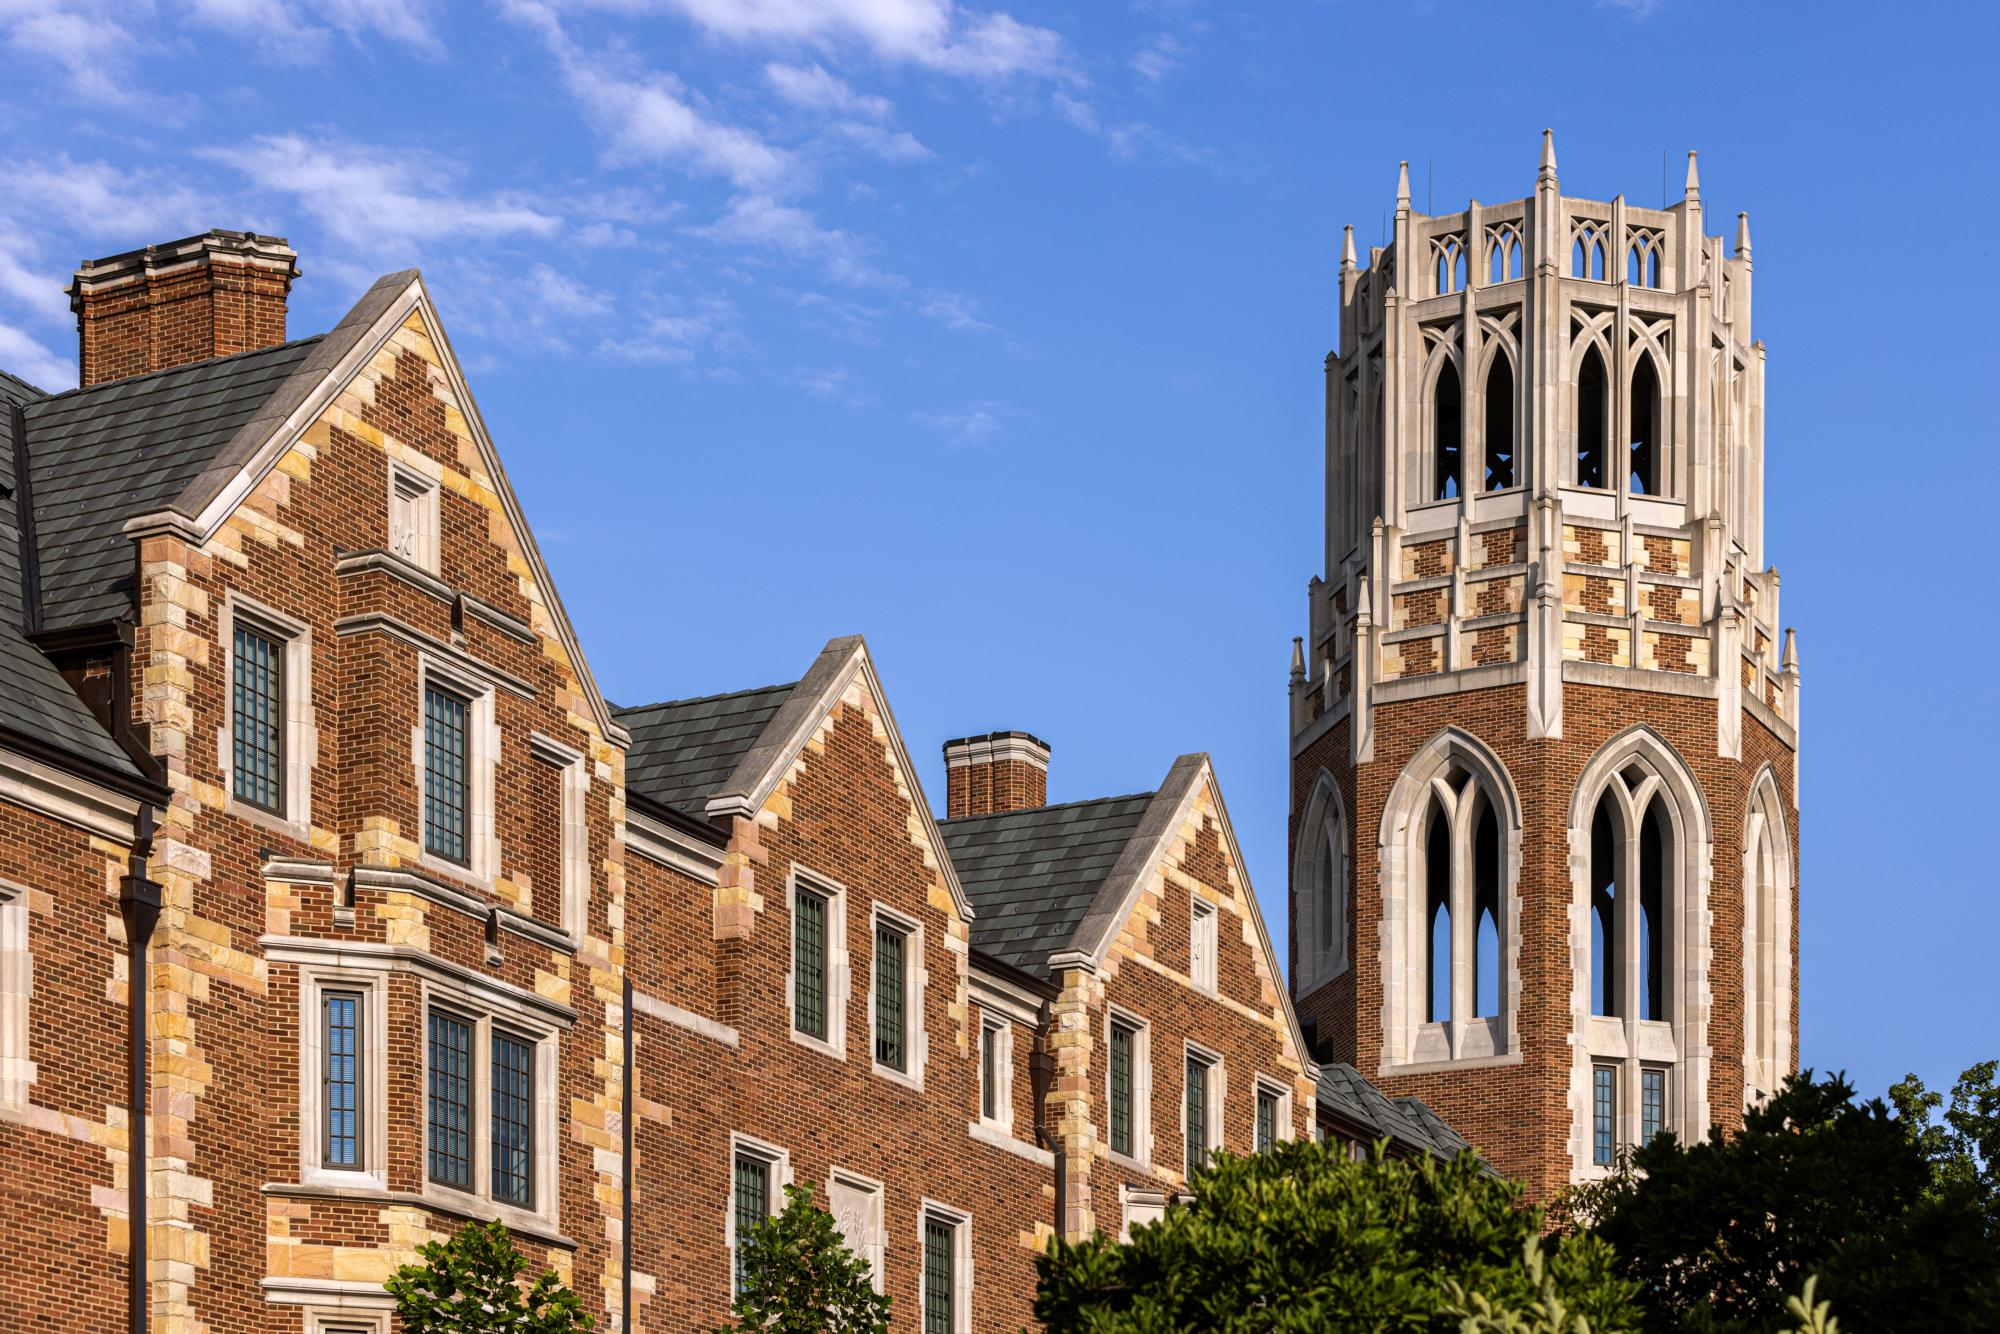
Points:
[1645,434]
[1201,943]
[1267,1120]
[892,1047]
[1652,942]
[257,730]
[1437,875]
[1197,1113]
[513,1100]
[753,1202]
[340,1078]
[1591,389]
[450,1100]
[809,988]
[1604,1139]
[447,766]
[1514,269]
[1604,939]
[1331,911]
[1500,424]
[940,1297]
[989,1072]
[1486,913]
[1446,426]
[1652,1103]
[1123,1039]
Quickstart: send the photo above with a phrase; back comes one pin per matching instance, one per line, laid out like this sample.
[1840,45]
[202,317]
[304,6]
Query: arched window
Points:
[1503,254]
[1437,917]
[1500,424]
[1449,259]
[1767,944]
[1320,889]
[1645,432]
[1592,407]
[1586,259]
[1604,865]
[1486,910]
[1447,423]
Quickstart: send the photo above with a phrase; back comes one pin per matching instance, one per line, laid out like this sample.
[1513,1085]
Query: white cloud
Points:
[812,86]
[375,199]
[955,311]
[760,222]
[88,41]
[21,355]
[674,337]
[889,145]
[974,425]
[1159,57]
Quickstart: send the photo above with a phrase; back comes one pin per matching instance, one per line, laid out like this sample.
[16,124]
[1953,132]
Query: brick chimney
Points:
[167,305]
[1000,771]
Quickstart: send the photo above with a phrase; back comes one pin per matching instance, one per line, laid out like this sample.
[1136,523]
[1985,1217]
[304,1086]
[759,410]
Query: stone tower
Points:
[1544,725]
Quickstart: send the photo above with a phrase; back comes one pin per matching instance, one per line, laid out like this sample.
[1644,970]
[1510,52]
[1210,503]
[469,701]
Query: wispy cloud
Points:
[812,86]
[760,222]
[1129,139]
[1159,57]
[301,31]
[955,311]
[934,34]
[975,424]
[22,355]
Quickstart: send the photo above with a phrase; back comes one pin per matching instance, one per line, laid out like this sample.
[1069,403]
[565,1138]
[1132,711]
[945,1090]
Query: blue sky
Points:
[994,333]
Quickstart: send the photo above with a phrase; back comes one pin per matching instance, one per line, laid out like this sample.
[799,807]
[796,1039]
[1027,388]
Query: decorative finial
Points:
[1790,662]
[1347,248]
[1548,155]
[1693,190]
[1298,659]
[1742,236]
[1364,606]
[1403,186]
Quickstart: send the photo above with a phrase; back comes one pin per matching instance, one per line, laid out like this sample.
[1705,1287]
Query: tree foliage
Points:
[472,1284]
[1720,1232]
[1303,1238]
[1963,1145]
[800,1278]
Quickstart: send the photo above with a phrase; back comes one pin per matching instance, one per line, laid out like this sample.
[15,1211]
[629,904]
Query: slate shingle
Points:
[684,749]
[1031,875]
[1409,1122]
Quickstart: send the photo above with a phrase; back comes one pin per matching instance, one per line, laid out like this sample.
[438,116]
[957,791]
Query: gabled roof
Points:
[35,700]
[100,454]
[1035,873]
[683,750]
[1408,1123]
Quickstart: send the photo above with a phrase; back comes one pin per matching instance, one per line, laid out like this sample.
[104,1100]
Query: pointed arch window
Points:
[1767,945]
[1448,262]
[1437,917]
[1642,260]
[1645,428]
[1586,256]
[1486,915]
[1503,254]
[1447,425]
[1321,890]
[1593,394]
[1500,423]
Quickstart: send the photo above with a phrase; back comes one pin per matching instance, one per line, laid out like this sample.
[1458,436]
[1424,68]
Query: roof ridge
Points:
[623,709]
[36,390]
[1052,806]
[170,370]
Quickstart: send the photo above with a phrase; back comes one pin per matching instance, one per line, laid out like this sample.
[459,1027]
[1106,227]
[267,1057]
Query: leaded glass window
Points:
[891,1021]
[1197,1113]
[1604,1141]
[257,704]
[513,1100]
[1123,1039]
[450,1100]
[753,1202]
[1652,1103]
[340,1078]
[989,1072]
[1267,1120]
[809,964]
[939,1245]
[447,769]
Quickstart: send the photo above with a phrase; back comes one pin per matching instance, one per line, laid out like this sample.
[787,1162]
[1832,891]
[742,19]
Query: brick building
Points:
[1544,725]
[306,782]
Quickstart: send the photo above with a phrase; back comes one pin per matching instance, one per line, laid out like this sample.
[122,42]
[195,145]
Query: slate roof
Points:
[1032,875]
[1408,1122]
[34,698]
[683,750]
[99,455]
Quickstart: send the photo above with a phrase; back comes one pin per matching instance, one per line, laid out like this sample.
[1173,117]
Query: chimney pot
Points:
[999,771]
[180,302]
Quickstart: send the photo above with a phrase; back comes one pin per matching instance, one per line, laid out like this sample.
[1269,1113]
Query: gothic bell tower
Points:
[1545,722]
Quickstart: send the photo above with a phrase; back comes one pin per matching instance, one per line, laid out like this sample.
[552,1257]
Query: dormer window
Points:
[413,518]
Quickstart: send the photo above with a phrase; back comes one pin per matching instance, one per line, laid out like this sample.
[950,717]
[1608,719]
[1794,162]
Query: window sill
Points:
[457,1204]
[457,872]
[298,831]
[1002,1137]
[895,1076]
[344,1179]
[1138,1165]
[821,1045]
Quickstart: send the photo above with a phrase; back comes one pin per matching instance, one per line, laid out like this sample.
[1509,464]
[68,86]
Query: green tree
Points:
[800,1278]
[472,1284]
[1963,1145]
[1720,1231]
[1303,1238]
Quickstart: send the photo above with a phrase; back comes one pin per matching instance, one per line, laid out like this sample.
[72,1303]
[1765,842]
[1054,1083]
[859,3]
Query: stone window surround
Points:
[300,737]
[373,1069]
[916,978]
[414,524]
[1139,1205]
[1408,1040]
[544,1166]
[778,1160]
[1215,1089]
[17,989]
[574,817]
[1768,897]
[1003,1064]
[1204,918]
[1142,1087]
[482,843]
[1678,1043]
[838,981]
[875,1235]
[960,1223]
[1324,828]
[1278,1089]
